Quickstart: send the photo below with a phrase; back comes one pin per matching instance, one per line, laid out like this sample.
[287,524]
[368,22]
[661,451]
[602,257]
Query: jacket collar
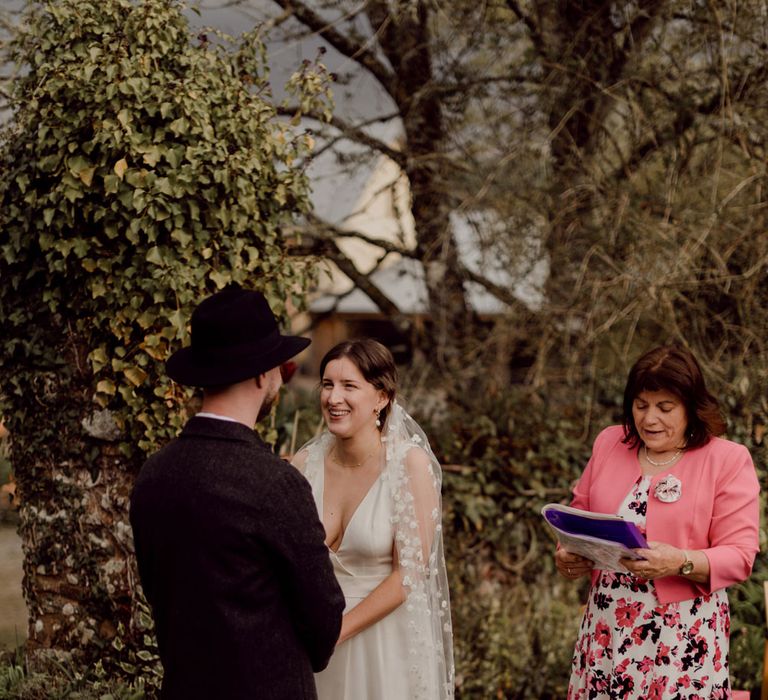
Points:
[216,429]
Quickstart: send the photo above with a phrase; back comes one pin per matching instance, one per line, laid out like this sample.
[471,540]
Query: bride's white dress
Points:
[372,665]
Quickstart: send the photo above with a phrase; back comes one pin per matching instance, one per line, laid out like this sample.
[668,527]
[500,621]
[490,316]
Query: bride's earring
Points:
[377,411]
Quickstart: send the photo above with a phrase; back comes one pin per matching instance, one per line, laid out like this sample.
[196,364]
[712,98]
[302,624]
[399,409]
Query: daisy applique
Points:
[669,489]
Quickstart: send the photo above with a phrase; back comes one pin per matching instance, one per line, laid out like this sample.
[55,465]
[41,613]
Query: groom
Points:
[230,550]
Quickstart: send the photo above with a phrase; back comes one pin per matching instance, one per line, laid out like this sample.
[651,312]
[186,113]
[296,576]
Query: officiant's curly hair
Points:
[375,363]
[673,368]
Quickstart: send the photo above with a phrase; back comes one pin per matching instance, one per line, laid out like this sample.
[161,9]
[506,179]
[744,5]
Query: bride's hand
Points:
[344,633]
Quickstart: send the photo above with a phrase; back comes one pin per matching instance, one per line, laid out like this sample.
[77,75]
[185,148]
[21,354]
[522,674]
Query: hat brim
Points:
[219,367]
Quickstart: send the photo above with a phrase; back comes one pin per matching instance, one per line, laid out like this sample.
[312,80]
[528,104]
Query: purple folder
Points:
[615,530]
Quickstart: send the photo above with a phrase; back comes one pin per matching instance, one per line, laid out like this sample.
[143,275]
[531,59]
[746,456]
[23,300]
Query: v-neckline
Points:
[354,512]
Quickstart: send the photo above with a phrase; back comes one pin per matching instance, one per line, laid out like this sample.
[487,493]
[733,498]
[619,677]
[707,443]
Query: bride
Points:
[376,485]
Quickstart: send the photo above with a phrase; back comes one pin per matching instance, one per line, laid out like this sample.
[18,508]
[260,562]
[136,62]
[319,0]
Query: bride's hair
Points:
[375,363]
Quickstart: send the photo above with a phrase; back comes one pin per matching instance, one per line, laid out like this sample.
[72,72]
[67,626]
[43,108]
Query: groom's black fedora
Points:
[235,336]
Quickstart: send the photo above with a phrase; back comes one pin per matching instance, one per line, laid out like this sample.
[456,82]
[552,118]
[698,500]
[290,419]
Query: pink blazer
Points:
[717,512]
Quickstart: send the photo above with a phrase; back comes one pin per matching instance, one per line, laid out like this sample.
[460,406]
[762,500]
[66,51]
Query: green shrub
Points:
[512,640]
[60,682]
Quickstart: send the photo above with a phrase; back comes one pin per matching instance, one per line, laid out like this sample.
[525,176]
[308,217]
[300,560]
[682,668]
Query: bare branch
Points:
[327,247]
[323,232]
[684,120]
[535,33]
[363,282]
[386,246]
[503,294]
[342,43]
[328,230]
[449,89]
[341,136]
[351,133]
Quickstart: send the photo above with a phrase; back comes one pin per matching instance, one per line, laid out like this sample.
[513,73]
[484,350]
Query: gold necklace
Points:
[665,462]
[335,455]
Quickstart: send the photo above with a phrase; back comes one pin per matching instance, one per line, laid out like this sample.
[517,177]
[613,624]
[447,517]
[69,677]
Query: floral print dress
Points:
[632,646]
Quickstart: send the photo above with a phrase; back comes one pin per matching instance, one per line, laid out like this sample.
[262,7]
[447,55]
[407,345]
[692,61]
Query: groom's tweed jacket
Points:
[232,560]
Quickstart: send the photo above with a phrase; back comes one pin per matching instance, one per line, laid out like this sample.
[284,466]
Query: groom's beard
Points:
[269,401]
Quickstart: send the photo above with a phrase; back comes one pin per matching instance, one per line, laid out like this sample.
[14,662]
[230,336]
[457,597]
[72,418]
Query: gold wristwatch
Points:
[687,566]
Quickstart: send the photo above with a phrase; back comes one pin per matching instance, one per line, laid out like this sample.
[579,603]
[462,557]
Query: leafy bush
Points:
[60,682]
[5,468]
[503,631]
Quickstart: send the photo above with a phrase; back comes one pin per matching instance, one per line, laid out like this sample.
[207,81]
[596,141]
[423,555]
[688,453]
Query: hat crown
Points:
[233,317]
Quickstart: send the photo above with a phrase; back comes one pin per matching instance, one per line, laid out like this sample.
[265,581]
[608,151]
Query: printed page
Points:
[605,554]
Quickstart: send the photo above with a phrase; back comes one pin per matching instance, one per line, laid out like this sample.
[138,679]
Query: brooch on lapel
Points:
[669,489]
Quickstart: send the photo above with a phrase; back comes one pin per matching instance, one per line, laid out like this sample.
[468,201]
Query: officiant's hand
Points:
[660,560]
[572,566]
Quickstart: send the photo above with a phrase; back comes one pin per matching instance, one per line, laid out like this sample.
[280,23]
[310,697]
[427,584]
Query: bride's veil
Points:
[415,479]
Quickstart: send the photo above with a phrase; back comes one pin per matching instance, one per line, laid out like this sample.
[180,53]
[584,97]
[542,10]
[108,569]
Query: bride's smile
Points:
[350,404]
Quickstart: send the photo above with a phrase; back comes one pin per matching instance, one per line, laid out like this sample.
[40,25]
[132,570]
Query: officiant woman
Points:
[660,630]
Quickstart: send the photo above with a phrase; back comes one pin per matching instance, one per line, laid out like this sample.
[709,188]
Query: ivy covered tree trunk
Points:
[142,170]
[74,482]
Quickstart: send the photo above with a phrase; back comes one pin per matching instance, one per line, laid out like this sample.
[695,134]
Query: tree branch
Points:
[342,43]
[341,136]
[535,33]
[352,133]
[639,30]
[503,294]
[322,242]
[386,246]
[363,282]
[684,120]
[329,231]
[327,247]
